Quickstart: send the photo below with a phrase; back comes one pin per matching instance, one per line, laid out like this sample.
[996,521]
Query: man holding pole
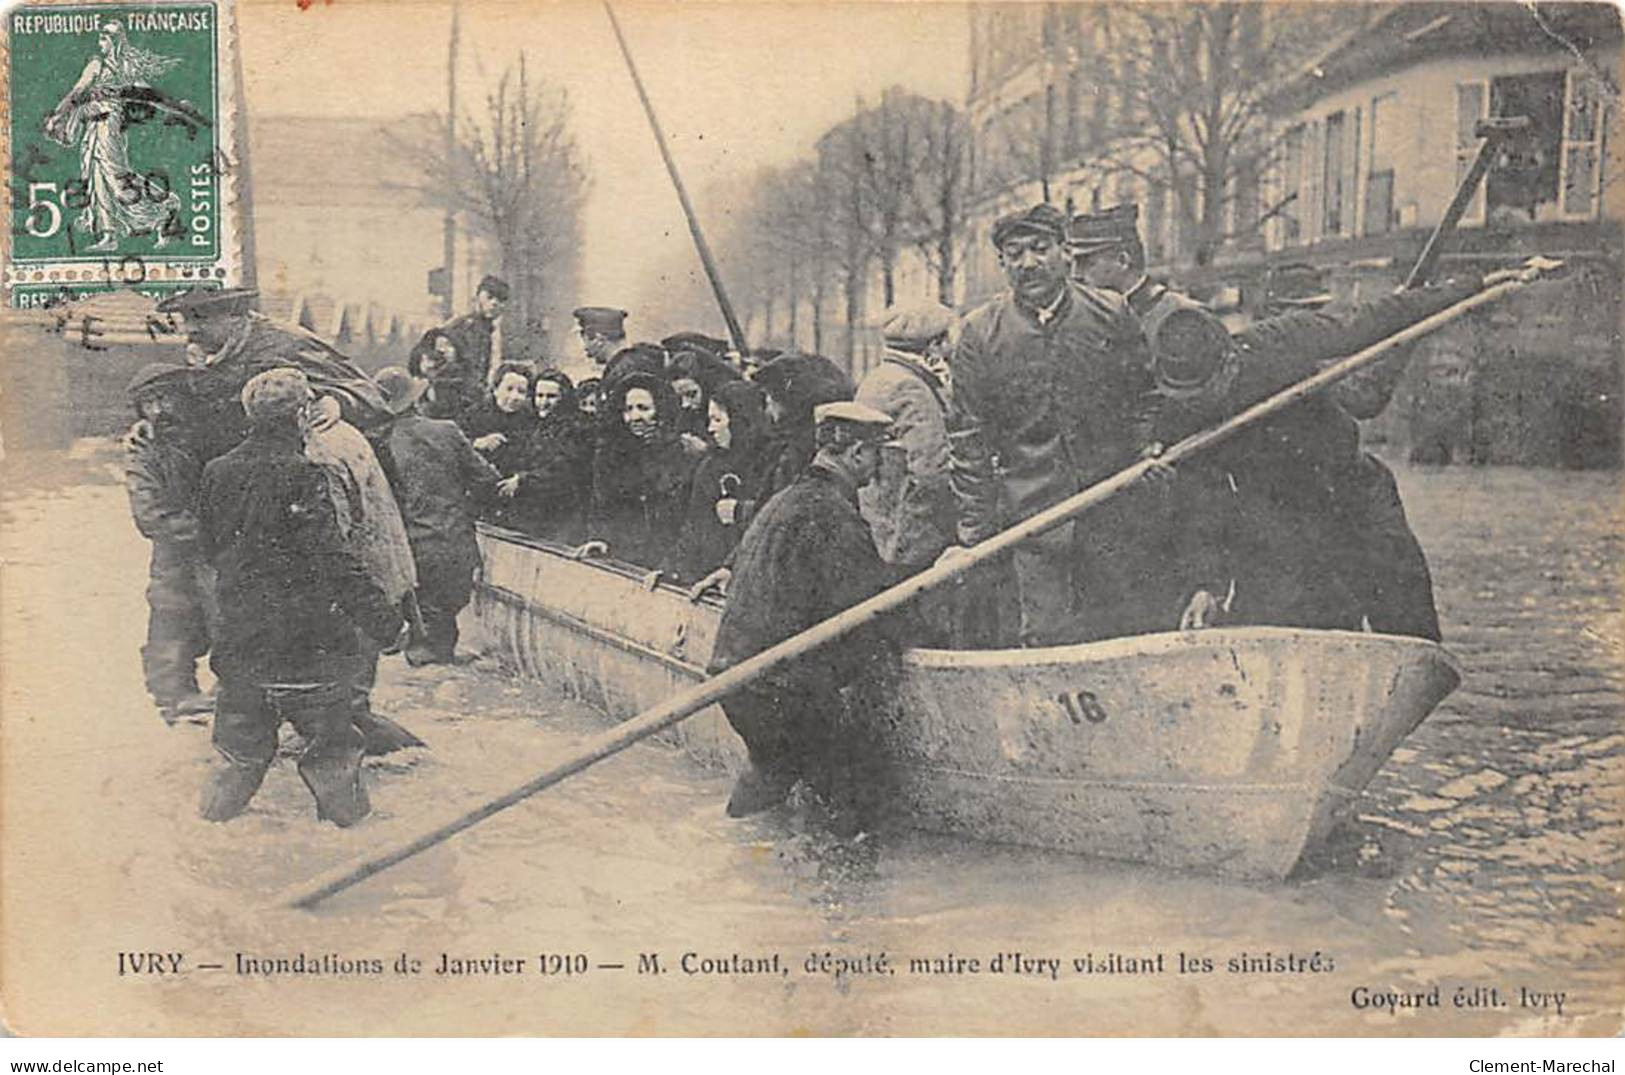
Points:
[1052,391]
[807,556]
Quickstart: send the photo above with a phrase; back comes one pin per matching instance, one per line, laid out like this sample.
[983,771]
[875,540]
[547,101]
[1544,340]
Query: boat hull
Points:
[1226,751]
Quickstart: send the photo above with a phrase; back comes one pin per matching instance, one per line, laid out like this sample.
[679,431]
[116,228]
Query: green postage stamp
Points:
[119,140]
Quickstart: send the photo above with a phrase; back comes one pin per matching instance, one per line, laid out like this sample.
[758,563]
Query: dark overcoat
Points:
[290,594]
[807,555]
[442,480]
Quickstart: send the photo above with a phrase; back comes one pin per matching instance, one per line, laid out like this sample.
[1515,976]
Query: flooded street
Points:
[1486,858]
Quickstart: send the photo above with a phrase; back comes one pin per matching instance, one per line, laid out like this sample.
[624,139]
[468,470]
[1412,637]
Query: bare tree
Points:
[936,218]
[1192,80]
[516,171]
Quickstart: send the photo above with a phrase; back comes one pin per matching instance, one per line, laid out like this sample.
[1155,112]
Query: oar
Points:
[687,703]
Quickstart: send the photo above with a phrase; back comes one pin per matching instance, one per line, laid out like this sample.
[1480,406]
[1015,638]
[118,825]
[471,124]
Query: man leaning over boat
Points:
[1313,532]
[807,556]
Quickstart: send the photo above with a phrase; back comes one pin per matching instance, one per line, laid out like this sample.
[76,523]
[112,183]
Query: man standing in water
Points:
[807,556]
[1052,392]
[291,599]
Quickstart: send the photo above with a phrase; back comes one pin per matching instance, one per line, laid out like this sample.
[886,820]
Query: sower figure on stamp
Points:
[291,600]
[162,477]
[807,556]
[1052,392]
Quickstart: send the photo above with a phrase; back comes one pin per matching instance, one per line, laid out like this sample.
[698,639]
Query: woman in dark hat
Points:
[501,428]
[453,391]
[695,376]
[795,383]
[551,490]
[589,394]
[727,484]
[640,474]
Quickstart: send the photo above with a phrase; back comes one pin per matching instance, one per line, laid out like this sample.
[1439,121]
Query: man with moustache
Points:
[1052,392]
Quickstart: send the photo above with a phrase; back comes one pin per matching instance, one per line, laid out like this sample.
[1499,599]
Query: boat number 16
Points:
[1080,706]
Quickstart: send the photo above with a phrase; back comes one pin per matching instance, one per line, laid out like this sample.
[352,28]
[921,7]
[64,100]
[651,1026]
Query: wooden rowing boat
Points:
[1229,751]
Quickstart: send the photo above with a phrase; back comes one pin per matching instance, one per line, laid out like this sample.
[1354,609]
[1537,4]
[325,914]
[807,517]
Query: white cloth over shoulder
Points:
[369,519]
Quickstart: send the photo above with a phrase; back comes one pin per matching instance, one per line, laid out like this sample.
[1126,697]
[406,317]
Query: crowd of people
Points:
[307,518]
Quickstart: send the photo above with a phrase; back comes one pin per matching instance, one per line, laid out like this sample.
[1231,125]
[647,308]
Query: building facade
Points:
[345,244]
[1367,141]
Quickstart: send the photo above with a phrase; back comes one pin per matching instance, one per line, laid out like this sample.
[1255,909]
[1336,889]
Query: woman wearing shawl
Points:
[640,474]
[727,483]
[696,376]
[551,490]
[502,428]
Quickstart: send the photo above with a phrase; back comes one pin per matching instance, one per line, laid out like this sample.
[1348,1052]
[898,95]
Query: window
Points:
[1292,186]
[1333,171]
[1582,136]
[1470,100]
[1379,182]
[1314,190]
[1523,185]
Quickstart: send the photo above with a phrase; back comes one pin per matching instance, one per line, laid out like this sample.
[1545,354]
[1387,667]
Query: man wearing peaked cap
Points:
[1107,252]
[807,556]
[1041,219]
[238,343]
[223,301]
[845,422]
[1296,285]
[1052,392]
[603,332]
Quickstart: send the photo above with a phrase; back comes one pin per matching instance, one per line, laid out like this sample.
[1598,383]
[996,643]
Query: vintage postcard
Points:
[1080,519]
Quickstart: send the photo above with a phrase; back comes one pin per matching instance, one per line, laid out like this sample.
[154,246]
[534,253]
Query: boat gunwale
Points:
[1155,644]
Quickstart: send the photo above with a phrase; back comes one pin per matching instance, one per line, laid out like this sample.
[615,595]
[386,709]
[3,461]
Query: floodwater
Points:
[1485,860]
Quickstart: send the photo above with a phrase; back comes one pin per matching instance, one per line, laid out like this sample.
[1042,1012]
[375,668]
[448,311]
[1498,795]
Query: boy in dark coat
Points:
[161,475]
[440,479]
[291,597]
[807,556]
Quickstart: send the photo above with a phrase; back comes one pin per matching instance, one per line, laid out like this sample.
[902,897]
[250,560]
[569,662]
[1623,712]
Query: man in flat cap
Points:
[291,598]
[602,330]
[807,556]
[237,343]
[161,476]
[911,507]
[479,350]
[1052,392]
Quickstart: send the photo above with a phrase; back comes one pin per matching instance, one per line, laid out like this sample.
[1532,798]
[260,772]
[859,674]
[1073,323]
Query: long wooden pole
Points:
[689,702]
[735,332]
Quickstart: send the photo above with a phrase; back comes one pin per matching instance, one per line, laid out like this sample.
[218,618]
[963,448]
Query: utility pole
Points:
[448,227]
